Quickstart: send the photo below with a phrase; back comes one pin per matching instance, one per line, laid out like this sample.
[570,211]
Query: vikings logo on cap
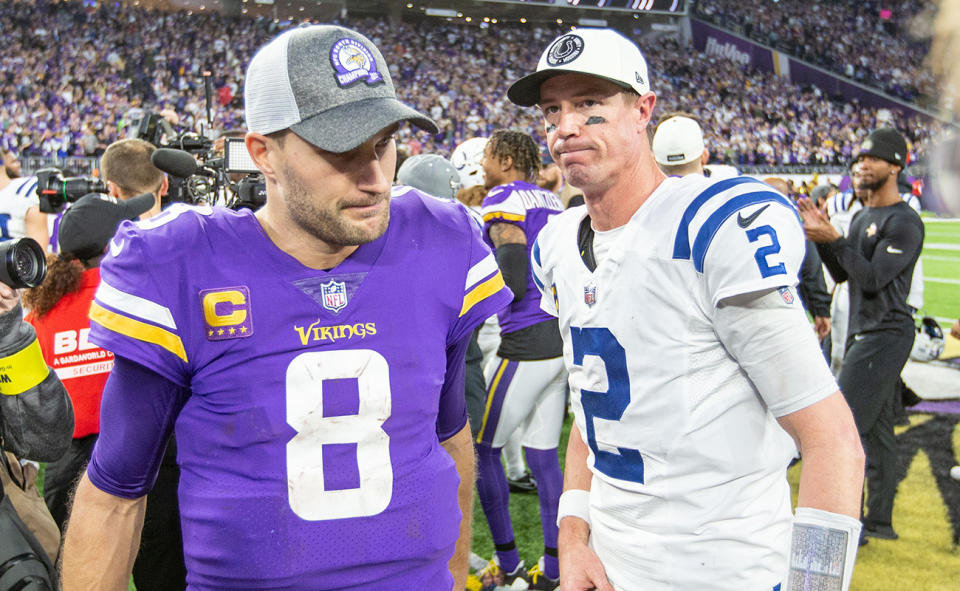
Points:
[353,62]
[564,50]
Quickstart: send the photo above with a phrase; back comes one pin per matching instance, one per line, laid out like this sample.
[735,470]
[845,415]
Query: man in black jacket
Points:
[877,258]
[36,416]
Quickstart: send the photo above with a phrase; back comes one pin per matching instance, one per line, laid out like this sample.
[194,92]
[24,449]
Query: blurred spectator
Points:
[65,98]
[863,40]
[20,213]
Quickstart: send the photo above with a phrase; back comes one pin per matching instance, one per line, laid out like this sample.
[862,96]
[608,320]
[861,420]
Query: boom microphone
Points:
[175,162]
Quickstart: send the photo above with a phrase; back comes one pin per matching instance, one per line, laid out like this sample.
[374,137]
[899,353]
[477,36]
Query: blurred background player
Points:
[20,213]
[467,158]
[525,380]
[877,258]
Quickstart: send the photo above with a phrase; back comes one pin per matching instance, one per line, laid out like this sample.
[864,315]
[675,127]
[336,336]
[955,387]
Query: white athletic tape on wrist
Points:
[823,550]
[574,503]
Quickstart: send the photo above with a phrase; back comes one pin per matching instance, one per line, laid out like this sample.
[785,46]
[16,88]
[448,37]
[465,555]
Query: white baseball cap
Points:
[604,53]
[678,140]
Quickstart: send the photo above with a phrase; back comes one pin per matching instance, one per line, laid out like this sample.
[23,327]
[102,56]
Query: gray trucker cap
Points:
[329,85]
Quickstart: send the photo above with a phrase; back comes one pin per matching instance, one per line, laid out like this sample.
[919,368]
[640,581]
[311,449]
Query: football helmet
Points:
[928,343]
[467,158]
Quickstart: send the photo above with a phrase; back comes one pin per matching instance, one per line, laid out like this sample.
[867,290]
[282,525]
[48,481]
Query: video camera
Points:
[54,189]
[201,182]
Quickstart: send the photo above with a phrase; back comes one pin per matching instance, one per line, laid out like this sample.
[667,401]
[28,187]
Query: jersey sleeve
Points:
[135,311]
[484,291]
[502,205]
[543,279]
[137,415]
[750,242]
[452,414]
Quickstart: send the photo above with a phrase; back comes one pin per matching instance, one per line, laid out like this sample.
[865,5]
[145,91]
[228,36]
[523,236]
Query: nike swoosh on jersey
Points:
[893,250]
[116,248]
[745,222]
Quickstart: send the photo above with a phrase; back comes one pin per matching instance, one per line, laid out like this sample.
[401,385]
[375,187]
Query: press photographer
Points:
[36,422]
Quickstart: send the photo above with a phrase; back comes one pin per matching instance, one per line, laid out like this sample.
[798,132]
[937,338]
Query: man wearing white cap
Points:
[310,355]
[690,357]
[678,145]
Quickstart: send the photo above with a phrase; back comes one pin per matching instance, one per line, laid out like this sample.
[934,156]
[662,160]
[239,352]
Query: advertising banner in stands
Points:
[715,41]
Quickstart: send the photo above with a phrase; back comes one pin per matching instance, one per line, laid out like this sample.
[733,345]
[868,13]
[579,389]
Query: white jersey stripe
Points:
[483,269]
[135,306]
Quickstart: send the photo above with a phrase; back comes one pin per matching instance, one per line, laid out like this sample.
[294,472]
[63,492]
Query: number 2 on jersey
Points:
[763,252]
[311,495]
[609,405]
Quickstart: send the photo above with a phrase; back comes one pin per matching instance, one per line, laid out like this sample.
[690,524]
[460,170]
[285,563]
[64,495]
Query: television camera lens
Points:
[22,263]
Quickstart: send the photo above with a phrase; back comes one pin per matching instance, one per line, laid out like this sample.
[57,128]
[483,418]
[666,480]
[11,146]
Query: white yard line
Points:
[942,280]
[941,246]
[933,257]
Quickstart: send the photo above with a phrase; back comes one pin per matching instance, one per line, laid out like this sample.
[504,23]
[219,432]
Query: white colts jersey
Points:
[15,199]
[689,462]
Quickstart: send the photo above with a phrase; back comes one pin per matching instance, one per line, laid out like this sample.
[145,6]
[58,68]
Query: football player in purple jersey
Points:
[309,356]
[526,379]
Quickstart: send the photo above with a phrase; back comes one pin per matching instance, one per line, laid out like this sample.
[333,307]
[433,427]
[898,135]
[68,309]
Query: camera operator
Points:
[127,170]
[36,417]
[20,213]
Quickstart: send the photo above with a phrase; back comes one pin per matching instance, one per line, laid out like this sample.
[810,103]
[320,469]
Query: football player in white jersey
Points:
[694,375]
[20,213]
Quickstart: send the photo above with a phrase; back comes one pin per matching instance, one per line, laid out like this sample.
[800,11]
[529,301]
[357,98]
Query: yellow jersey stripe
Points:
[502,215]
[138,330]
[482,292]
[490,393]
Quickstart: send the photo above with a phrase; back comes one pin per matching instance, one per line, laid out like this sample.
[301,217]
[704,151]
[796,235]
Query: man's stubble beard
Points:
[329,225]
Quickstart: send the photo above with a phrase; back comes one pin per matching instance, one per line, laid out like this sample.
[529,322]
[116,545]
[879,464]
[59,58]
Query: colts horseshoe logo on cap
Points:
[353,62]
[564,50]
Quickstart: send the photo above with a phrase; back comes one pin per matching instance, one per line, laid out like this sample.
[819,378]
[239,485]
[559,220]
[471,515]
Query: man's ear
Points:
[260,147]
[644,106]
[506,163]
[113,190]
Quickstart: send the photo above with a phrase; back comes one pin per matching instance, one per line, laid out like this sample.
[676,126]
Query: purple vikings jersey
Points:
[309,438]
[529,207]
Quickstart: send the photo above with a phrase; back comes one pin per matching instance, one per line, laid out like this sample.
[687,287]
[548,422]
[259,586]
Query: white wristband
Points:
[822,551]
[574,503]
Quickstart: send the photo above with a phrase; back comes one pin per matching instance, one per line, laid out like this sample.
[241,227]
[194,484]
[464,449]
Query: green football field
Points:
[941,269]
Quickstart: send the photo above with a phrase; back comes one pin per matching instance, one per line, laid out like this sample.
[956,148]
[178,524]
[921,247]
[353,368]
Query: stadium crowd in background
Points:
[855,38]
[75,77]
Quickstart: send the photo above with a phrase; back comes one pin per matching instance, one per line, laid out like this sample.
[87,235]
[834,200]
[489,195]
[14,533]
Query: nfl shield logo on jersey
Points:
[590,294]
[334,295]
[787,295]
